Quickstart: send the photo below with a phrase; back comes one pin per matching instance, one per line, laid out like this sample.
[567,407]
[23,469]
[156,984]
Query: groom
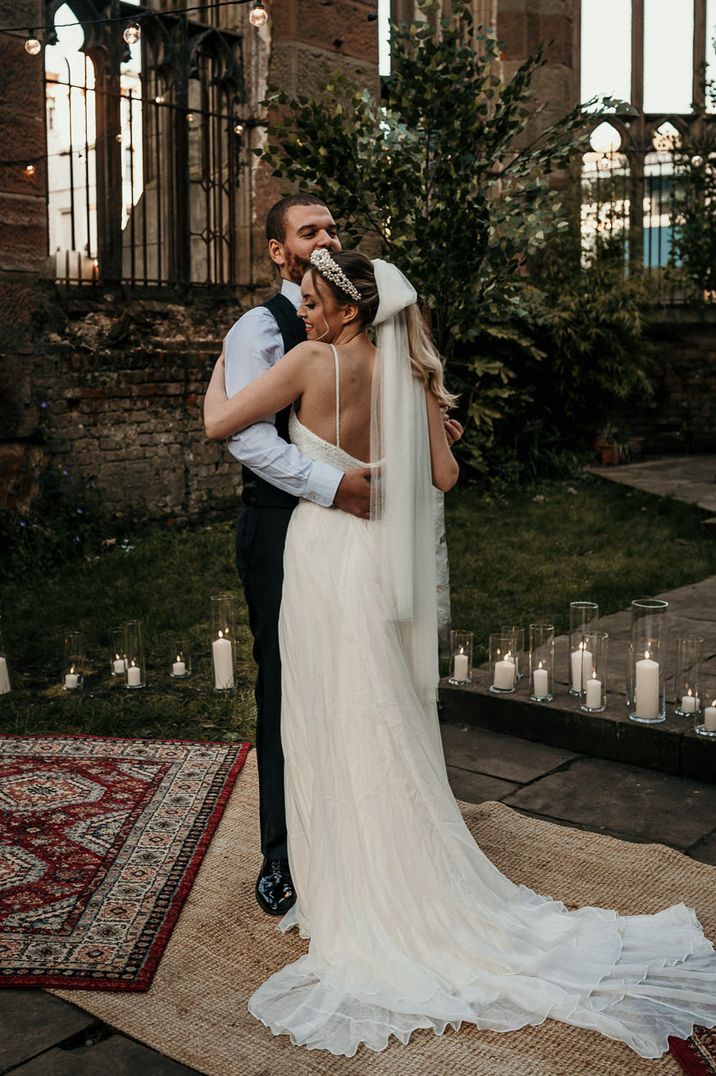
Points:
[275,475]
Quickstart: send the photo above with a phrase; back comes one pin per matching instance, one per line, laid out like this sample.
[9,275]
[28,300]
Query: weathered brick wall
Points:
[111,389]
[682,415]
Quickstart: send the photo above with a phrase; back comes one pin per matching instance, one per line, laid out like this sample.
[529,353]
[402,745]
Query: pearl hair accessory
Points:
[321,260]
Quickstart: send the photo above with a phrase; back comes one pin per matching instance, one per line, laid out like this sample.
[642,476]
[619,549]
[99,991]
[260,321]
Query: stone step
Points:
[671,747]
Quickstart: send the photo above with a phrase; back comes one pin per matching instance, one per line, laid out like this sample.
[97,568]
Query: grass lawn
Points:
[513,560]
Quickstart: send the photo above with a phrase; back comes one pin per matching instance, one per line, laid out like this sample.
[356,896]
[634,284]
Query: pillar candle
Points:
[504,674]
[710,717]
[594,693]
[118,665]
[223,658]
[178,667]
[460,666]
[540,679]
[71,680]
[581,667]
[4,677]
[134,675]
[646,701]
[690,703]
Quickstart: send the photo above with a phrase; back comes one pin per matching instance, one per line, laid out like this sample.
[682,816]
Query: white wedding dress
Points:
[410,925]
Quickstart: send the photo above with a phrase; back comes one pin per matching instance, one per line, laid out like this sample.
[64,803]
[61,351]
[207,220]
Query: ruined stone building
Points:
[131,212]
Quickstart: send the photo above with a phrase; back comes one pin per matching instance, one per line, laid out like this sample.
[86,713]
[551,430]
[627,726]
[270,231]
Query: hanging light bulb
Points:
[239,128]
[118,137]
[29,170]
[259,15]
[159,100]
[32,45]
[132,33]
[190,117]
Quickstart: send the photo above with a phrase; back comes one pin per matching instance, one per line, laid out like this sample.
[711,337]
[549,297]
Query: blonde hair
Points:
[425,362]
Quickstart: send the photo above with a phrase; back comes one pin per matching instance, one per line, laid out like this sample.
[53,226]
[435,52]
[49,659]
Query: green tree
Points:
[443,173]
[694,224]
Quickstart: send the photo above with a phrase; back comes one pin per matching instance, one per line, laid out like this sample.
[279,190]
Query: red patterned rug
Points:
[100,842]
[696,1055]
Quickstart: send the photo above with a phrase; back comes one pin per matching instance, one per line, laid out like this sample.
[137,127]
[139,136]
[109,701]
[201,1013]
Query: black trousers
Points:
[260,541]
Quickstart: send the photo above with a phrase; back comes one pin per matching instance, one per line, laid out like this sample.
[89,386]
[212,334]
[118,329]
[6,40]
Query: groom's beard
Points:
[296,267]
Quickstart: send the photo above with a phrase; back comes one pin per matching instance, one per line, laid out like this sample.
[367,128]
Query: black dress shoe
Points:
[274,888]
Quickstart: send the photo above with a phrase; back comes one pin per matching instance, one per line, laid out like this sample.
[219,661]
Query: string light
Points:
[239,128]
[259,15]
[132,33]
[29,170]
[29,32]
[32,45]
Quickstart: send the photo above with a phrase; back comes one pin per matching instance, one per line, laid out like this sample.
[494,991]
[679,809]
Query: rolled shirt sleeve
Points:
[251,347]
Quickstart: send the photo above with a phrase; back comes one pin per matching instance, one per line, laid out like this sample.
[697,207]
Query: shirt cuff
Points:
[322,484]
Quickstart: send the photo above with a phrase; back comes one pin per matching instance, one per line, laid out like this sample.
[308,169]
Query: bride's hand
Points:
[453,429]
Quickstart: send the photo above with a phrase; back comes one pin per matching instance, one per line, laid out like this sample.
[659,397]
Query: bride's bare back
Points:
[348,384]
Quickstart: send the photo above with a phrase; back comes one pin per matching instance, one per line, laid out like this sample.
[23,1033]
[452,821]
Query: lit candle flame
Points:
[690,692]
[178,658]
[461,650]
[221,634]
[72,668]
[540,665]
[646,654]
[133,663]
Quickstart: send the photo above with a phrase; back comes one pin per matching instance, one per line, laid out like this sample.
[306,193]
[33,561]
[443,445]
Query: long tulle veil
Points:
[402,500]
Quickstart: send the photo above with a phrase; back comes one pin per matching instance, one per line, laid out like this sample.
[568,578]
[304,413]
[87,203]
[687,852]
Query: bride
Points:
[410,925]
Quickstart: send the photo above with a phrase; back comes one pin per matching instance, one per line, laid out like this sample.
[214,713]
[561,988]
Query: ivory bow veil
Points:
[402,498]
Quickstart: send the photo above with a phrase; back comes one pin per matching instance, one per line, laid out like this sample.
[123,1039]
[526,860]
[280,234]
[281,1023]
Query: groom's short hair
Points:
[276,216]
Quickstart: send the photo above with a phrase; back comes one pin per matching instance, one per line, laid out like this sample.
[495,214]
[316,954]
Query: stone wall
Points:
[681,418]
[110,387]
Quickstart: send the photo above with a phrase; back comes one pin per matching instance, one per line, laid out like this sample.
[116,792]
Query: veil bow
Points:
[402,494]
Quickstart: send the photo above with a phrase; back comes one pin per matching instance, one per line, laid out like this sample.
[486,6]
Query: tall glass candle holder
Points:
[180,659]
[73,667]
[582,619]
[594,678]
[4,670]
[518,635]
[646,683]
[223,634]
[503,671]
[117,655]
[136,671]
[460,657]
[705,721]
[687,684]
[541,661]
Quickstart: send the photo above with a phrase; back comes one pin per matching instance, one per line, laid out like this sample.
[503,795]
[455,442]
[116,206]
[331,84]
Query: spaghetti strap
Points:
[338,396]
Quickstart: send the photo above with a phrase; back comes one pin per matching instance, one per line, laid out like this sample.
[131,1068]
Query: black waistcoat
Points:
[256,491]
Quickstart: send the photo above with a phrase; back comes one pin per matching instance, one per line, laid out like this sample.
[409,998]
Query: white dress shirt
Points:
[251,347]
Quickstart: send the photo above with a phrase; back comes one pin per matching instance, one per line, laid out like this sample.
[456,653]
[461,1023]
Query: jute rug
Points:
[223,947]
[100,841]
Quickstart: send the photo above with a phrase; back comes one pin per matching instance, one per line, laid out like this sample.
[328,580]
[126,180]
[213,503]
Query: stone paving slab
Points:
[506,757]
[478,787]
[32,1021]
[115,1056]
[688,478]
[639,803]
[705,850]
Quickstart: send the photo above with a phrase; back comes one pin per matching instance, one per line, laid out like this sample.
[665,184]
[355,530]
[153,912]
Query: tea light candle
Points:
[710,717]
[71,679]
[118,665]
[581,667]
[690,703]
[594,693]
[504,674]
[540,680]
[178,667]
[460,666]
[646,701]
[134,675]
[4,677]
[223,658]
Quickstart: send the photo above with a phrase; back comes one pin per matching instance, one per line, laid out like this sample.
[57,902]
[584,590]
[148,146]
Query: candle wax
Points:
[594,693]
[178,668]
[460,667]
[223,658]
[71,681]
[646,696]
[541,682]
[134,676]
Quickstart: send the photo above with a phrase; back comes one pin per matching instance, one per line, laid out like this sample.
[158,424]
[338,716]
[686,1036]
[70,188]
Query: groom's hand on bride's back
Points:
[353,493]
